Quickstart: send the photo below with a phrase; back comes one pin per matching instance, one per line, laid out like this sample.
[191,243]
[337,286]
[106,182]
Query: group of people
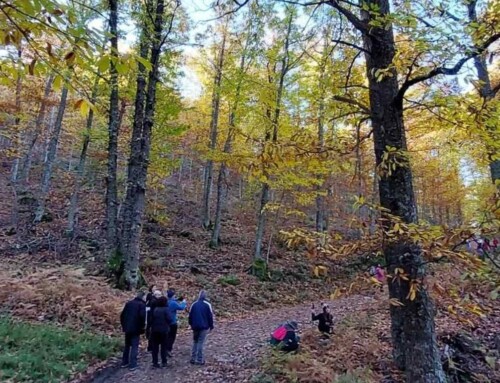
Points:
[482,246]
[155,315]
[286,337]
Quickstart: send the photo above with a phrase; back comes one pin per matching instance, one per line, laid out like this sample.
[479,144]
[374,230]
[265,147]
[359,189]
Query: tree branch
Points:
[444,70]
[348,100]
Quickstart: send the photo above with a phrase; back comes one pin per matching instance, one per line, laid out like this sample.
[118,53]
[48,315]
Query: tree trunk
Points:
[50,156]
[265,191]
[214,122]
[33,138]
[73,206]
[138,165]
[487,94]
[221,180]
[113,131]
[17,118]
[413,332]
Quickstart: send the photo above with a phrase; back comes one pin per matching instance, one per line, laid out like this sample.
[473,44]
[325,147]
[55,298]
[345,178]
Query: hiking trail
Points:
[232,350]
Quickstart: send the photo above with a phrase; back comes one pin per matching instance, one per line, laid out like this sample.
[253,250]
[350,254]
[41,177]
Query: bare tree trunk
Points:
[73,206]
[221,180]
[136,191]
[207,181]
[27,158]
[50,157]
[113,132]
[17,119]
[264,198]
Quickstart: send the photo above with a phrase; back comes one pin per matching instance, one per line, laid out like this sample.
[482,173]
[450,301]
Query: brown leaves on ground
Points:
[63,295]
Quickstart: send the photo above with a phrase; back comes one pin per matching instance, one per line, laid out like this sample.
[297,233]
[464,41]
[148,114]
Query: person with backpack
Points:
[133,319]
[173,305]
[324,318]
[380,275]
[201,321]
[285,336]
[160,327]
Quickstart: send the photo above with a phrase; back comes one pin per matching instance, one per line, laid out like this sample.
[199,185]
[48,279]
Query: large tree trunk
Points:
[50,156]
[214,122]
[413,332]
[73,205]
[113,131]
[135,202]
[33,138]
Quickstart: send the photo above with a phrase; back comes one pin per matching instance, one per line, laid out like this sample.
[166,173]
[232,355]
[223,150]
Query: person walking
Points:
[201,322]
[133,319]
[324,318]
[174,305]
[160,327]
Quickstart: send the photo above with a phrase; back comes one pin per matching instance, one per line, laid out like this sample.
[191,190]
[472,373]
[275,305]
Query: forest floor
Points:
[233,350]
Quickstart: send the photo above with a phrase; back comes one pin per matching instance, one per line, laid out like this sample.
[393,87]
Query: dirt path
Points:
[232,350]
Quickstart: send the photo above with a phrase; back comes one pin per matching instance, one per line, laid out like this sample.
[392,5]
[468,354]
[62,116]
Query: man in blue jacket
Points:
[173,306]
[201,321]
[133,319]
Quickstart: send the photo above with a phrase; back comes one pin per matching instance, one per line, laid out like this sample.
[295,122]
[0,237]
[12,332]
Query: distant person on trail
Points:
[324,318]
[160,327]
[133,319]
[150,295]
[153,302]
[285,336]
[174,304]
[201,321]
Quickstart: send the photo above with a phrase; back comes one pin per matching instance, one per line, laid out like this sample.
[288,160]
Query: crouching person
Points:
[285,337]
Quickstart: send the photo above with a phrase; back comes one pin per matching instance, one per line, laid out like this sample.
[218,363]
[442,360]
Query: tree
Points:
[153,38]
[214,121]
[113,127]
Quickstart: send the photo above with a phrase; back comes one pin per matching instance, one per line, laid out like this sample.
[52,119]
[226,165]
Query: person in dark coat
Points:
[160,326]
[285,336]
[325,320]
[151,303]
[201,321]
[133,319]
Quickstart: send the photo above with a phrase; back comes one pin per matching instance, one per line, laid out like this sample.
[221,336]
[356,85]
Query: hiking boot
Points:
[164,365]
[200,363]
[192,361]
[156,365]
[124,365]
[132,368]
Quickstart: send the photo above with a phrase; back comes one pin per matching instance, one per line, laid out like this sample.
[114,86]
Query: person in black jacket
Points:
[132,319]
[160,326]
[325,320]
[151,302]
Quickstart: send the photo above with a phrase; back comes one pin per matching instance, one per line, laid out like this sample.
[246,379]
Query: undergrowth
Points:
[45,353]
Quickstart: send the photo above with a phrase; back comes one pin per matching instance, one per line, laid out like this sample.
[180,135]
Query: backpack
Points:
[373,271]
[280,333]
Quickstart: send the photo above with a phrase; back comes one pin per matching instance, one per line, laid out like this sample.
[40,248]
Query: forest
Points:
[269,152]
